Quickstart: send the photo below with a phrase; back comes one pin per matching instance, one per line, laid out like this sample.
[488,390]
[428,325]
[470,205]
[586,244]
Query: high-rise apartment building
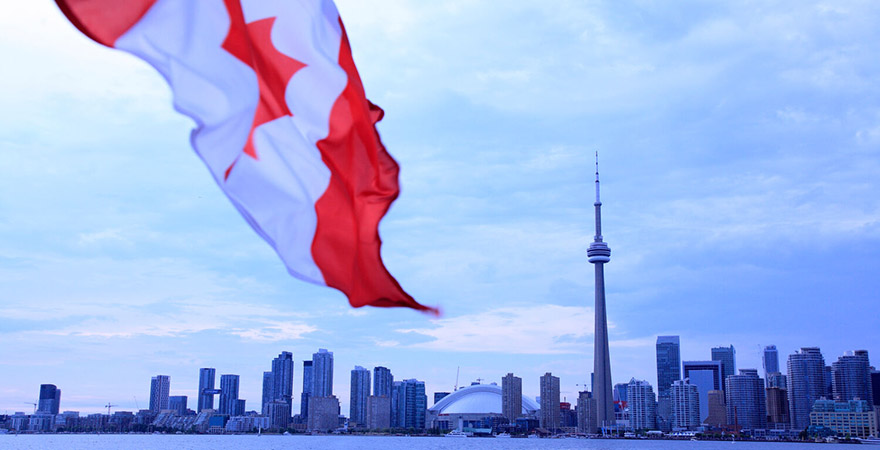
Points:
[360,392]
[717,409]
[206,389]
[379,412]
[160,386]
[778,417]
[50,399]
[382,381]
[852,377]
[229,403]
[586,411]
[282,378]
[177,403]
[727,357]
[746,402]
[642,405]
[806,384]
[685,399]
[511,397]
[668,371]
[268,391]
[322,373]
[706,376]
[323,413]
[550,402]
[409,403]
[306,389]
[771,361]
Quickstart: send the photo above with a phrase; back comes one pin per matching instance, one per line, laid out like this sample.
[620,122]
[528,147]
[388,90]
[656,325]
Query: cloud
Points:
[539,329]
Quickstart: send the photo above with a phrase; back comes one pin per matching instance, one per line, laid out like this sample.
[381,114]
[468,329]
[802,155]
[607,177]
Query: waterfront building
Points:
[771,361]
[854,418]
[383,381]
[717,409]
[511,397]
[415,404]
[476,406]
[599,254]
[806,384]
[160,386]
[49,400]
[323,413]
[306,389]
[778,416]
[549,415]
[586,411]
[852,377]
[668,371]
[268,391]
[642,405]
[282,378]
[378,412]
[229,395]
[206,389]
[746,402]
[685,398]
[177,403]
[278,413]
[322,373]
[706,376]
[727,357]
[360,391]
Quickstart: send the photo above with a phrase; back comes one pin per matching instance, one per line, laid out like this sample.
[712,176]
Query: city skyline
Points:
[739,174]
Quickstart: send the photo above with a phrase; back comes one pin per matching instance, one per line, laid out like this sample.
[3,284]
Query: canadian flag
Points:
[283,124]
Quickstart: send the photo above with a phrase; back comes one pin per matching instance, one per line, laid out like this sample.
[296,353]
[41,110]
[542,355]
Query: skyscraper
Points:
[206,388]
[229,395]
[642,405]
[806,384]
[50,399]
[360,391]
[160,385]
[685,405]
[599,254]
[771,361]
[586,411]
[668,371]
[268,391]
[778,416]
[322,373]
[746,403]
[382,381]
[875,388]
[408,404]
[306,389]
[717,409]
[177,403]
[511,397]
[550,402]
[282,378]
[706,376]
[727,356]
[852,377]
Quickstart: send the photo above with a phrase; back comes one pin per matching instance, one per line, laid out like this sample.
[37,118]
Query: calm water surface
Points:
[191,442]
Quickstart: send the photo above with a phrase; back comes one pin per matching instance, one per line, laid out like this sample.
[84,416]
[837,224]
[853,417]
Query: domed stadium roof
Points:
[477,399]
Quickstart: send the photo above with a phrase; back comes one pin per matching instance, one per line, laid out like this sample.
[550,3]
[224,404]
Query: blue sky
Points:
[739,149]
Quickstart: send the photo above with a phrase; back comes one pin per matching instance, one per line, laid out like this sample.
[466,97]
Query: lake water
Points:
[199,442]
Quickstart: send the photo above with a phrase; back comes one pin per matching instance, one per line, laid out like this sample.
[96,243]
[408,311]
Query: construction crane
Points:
[457,370]
[136,402]
[108,406]
[32,403]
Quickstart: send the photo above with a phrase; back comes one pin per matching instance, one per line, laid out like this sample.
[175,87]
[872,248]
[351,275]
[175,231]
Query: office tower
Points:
[642,405]
[322,374]
[806,384]
[717,409]
[685,398]
[778,416]
[379,412]
[727,356]
[306,389]
[771,361]
[229,395]
[50,399]
[323,413]
[511,397]
[382,381]
[360,391]
[706,376]
[599,254]
[177,403]
[206,389]
[282,378]
[550,402]
[586,411]
[160,385]
[746,402]
[852,377]
[668,371]
[268,391]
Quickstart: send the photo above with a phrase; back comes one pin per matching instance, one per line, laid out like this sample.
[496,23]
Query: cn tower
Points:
[599,254]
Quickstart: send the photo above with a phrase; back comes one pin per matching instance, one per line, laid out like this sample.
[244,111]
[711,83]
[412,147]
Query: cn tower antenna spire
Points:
[599,254]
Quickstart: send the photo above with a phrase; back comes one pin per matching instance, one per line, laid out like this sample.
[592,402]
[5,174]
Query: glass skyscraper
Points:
[668,372]
[160,386]
[322,373]
[727,356]
[229,403]
[306,389]
[746,401]
[806,384]
[706,376]
[360,391]
[206,389]
[852,377]
[382,381]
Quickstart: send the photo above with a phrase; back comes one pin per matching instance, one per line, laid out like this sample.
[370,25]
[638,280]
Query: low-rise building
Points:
[854,418]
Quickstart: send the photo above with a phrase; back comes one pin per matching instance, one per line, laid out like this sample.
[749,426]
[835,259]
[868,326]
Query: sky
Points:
[738,146]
